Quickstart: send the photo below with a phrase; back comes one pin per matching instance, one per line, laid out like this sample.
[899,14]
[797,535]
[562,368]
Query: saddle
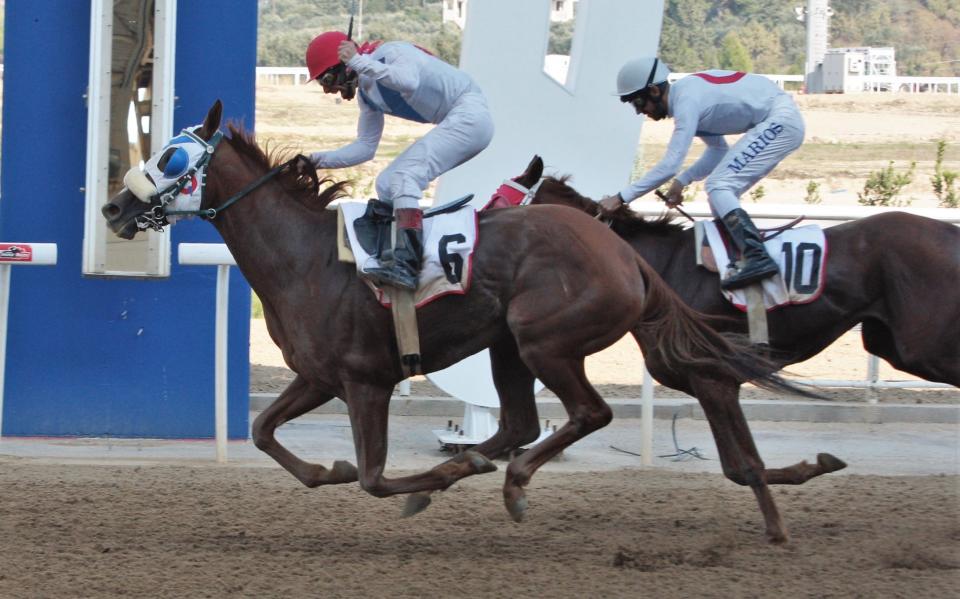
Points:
[444,270]
[373,228]
[800,252]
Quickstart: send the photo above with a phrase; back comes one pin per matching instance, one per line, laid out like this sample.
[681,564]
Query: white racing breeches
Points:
[757,152]
[462,134]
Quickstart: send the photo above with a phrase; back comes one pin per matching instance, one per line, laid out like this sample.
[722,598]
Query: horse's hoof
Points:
[343,471]
[516,504]
[416,503]
[830,463]
[480,462]
[777,537]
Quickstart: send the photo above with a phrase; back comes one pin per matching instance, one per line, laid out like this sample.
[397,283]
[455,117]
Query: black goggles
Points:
[333,75]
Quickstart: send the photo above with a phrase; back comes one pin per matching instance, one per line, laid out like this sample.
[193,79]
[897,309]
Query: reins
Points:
[211,213]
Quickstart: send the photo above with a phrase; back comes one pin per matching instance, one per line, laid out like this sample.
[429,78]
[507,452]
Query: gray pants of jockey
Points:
[464,133]
[754,155]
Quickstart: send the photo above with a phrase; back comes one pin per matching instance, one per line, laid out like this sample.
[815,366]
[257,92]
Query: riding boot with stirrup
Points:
[407,252]
[757,263]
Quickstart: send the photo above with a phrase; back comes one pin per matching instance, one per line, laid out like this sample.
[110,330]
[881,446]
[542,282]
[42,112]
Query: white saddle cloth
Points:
[801,255]
[448,242]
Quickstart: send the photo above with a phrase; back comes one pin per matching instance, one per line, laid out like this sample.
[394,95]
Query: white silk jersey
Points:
[710,105]
[401,80]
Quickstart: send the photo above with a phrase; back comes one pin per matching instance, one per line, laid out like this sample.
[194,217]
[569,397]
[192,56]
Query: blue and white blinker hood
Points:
[176,175]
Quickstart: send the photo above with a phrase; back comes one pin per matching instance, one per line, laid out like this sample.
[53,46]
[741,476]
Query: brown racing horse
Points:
[550,286]
[895,273]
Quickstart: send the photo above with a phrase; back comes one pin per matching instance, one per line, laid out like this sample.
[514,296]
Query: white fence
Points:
[876,83]
[217,254]
[933,85]
[283,75]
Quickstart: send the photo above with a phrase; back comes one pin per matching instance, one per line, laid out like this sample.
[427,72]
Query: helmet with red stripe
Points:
[639,74]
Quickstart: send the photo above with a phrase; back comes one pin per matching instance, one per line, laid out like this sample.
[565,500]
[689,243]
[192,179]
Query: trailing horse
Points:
[895,273]
[550,286]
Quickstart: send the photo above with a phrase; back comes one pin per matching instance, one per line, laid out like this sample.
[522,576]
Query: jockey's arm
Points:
[716,149]
[683,133]
[399,72]
[364,148]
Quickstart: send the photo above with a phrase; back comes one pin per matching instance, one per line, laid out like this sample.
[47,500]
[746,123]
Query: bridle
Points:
[156,217]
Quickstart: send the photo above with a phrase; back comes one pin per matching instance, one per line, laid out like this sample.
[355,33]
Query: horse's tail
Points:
[683,340]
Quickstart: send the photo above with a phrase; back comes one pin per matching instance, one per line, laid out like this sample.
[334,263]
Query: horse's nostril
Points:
[110,211]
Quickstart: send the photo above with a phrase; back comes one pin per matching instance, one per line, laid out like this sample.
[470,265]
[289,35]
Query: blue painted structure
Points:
[112,357]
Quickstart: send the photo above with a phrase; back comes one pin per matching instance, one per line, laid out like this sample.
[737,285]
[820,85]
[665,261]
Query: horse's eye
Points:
[174,162]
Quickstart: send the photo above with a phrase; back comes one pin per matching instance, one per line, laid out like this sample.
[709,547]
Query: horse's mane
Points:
[625,221]
[305,186]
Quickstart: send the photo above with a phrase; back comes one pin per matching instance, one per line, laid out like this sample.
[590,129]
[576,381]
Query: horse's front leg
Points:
[368,406]
[297,399]
[738,454]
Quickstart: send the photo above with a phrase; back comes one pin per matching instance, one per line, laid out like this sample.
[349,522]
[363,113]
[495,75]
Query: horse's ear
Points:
[533,173]
[212,122]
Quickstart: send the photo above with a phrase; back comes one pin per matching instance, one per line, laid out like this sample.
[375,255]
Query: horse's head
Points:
[170,183]
[557,190]
[553,190]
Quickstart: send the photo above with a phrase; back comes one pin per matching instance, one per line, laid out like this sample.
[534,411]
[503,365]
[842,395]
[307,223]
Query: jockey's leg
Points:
[757,263]
[407,228]
[749,160]
[465,131]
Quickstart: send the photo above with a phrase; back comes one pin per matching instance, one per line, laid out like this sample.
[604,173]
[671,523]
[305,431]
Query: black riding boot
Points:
[757,263]
[407,252]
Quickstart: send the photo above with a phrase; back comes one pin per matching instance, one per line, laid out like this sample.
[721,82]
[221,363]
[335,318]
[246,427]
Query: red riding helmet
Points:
[322,52]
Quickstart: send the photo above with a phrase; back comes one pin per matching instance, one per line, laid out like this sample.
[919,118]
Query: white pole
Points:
[216,254]
[220,360]
[24,254]
[4,304]
[873,376]
[646,419]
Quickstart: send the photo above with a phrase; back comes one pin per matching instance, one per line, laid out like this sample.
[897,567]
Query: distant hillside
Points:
[757,35]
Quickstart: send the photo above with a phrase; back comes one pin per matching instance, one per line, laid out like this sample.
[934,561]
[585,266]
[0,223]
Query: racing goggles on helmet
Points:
[335,75]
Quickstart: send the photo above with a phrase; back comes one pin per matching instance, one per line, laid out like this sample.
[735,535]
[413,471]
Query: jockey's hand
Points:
[610,204]
[675,194]
[346,50]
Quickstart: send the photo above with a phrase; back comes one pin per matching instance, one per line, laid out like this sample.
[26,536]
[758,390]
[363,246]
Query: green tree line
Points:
[756,35]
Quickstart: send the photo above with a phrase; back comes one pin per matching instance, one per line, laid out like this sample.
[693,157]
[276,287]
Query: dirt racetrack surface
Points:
[207,531]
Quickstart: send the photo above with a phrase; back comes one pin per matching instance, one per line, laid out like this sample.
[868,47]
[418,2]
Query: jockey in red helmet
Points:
[402,80]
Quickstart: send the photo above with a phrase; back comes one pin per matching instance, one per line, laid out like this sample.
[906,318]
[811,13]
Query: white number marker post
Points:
[17,254]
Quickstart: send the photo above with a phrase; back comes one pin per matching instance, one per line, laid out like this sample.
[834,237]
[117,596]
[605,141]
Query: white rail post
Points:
[216,254]
[19,254]
[646,419]
[873,377]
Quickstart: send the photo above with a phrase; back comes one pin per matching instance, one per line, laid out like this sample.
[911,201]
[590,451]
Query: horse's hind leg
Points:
[297,399]
[519,424]
[587,412]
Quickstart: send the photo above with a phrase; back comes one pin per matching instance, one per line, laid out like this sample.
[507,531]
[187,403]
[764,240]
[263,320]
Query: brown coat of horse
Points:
[894,272]
[550,286]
